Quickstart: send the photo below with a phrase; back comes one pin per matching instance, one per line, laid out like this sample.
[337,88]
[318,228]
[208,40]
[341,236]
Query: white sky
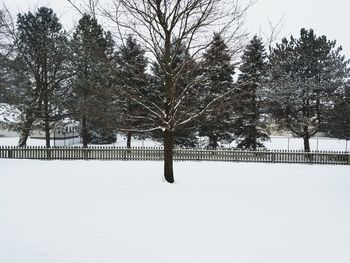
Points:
[325,17]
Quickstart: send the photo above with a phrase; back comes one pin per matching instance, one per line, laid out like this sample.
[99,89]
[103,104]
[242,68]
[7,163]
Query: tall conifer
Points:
[250,123]
[42,50]
[305,72]
[133,81]
[92,54]
[217,70]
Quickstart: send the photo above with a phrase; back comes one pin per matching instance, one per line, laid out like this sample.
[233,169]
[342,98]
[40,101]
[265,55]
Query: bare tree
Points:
[7,32]
[163,27]
[4,35]
[273,34]
[86,7]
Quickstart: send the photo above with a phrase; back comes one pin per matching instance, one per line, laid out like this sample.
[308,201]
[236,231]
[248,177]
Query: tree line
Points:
[157,84]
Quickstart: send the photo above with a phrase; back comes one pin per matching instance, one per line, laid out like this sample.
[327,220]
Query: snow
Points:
[8,113]
[13,141]
[121,141]
[316,143]
[97,211]
[277,142]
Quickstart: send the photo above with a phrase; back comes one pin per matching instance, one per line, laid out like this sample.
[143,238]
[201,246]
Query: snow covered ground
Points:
[121,141]
[13,141]
[277,142]
[107,212]
[316,143]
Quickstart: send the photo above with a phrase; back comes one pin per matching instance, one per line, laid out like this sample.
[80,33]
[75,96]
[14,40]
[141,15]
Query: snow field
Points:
[276,143]
[121,141]
[95,212]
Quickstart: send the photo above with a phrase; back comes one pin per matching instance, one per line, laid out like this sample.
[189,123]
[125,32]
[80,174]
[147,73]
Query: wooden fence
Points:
[156,154]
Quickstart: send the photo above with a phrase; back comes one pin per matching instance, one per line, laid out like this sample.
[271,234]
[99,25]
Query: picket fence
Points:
[156,154]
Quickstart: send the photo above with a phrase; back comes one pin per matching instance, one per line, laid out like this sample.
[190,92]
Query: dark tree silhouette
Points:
[163,27]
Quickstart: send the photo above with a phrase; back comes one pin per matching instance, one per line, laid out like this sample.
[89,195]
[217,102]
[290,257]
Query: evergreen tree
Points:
[133,79]
[187,135]
[305,74]
[250,124]
[217,71]
[42,50]
[338,122]
[92,53]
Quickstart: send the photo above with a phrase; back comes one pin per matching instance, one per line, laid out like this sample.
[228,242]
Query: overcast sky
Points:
[325,17]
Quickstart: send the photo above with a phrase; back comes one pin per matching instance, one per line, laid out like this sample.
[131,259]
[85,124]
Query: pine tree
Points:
[187,135]
[305,74]
[42,50]
[338,121]
[133,79]
[217,69]
[250,124]
[92,52]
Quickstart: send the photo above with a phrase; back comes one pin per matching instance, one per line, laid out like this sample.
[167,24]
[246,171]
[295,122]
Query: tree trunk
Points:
[213,142]
[47,128]
[47,135]
[306,143]
[84,132]
[46,104]
[128,141]
[168,156]
[255,118]
[169,91]
[25,130]
[23,138]
[254,139]
[24,134]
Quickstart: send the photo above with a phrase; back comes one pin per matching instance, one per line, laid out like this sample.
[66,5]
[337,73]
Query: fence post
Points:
[85,156]
[10,152]
[48,153]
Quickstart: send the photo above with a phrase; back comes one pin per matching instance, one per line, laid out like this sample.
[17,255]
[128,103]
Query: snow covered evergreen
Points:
[133,81]
[41,51]
[91,85]
[250,110]
[305,72]
[217,68]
